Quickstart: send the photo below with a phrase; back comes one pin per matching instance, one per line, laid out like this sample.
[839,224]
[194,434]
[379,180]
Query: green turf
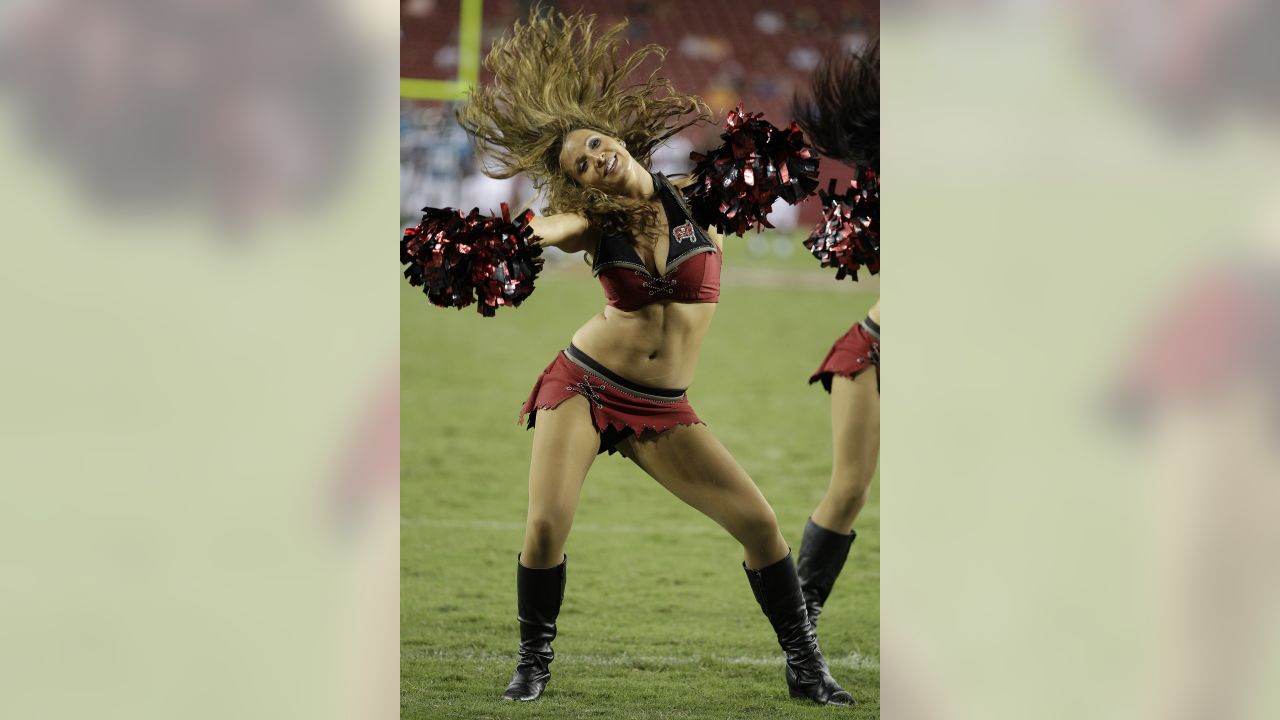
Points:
[658,619]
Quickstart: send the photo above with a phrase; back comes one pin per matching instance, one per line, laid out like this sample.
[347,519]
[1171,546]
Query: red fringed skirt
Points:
[854,352]
[619,408]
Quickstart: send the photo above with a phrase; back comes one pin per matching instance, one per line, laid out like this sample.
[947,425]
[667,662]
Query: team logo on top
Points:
[684,232]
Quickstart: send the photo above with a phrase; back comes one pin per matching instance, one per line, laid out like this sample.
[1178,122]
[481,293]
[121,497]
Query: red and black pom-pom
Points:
[849,235]
[735,185]
[460,259]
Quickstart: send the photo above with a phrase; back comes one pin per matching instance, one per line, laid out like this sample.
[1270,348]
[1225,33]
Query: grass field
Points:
[658,619]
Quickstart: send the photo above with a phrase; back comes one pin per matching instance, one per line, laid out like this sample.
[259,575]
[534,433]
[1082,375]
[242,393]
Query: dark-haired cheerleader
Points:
[842,119]
[562,110]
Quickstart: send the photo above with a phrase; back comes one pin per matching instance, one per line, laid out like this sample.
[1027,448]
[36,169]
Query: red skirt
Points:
[854,352]
[619,408]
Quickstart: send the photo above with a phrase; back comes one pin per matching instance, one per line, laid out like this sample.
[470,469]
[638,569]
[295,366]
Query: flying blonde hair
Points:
[553,74]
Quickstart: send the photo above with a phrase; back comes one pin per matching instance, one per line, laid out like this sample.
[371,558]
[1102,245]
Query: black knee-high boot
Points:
[539,593]
[822,556]
[777,589]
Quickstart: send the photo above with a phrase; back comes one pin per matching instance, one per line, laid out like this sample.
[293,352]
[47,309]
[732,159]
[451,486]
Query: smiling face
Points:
[596,160]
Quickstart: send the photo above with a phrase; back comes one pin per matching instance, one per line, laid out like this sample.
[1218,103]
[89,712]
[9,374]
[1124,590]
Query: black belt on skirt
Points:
[586,362]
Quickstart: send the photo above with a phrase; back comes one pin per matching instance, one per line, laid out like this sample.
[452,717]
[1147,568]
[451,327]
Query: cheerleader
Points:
[563,109]
[842,119]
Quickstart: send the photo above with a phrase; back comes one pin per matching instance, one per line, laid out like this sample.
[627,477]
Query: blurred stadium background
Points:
[658,618]
[755,52]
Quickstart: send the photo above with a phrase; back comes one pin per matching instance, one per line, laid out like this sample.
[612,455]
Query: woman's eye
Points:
[595,143]
[582,167]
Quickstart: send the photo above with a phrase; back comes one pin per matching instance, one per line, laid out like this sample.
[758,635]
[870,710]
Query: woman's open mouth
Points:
[613,164]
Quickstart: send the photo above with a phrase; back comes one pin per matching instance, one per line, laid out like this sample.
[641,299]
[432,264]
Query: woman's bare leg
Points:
[689,461]
[565,443]
[855,445]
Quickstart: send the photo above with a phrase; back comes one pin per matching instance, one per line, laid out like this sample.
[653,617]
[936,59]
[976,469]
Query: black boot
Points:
[777,589]
[539,595]
[822,556]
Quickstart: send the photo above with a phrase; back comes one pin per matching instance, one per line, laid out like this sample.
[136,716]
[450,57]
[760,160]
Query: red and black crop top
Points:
[693,261]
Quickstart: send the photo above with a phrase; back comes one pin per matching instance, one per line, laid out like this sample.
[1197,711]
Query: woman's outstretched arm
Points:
[569,232]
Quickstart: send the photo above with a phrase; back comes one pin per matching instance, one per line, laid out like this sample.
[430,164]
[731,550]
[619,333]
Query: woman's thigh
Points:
[855,429]
[565,443]
[690,462]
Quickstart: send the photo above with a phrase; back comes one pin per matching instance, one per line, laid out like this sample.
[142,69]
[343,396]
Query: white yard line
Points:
[852,661]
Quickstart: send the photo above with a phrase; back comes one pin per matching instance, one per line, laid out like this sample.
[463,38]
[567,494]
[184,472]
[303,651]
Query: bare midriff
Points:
[656,345]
